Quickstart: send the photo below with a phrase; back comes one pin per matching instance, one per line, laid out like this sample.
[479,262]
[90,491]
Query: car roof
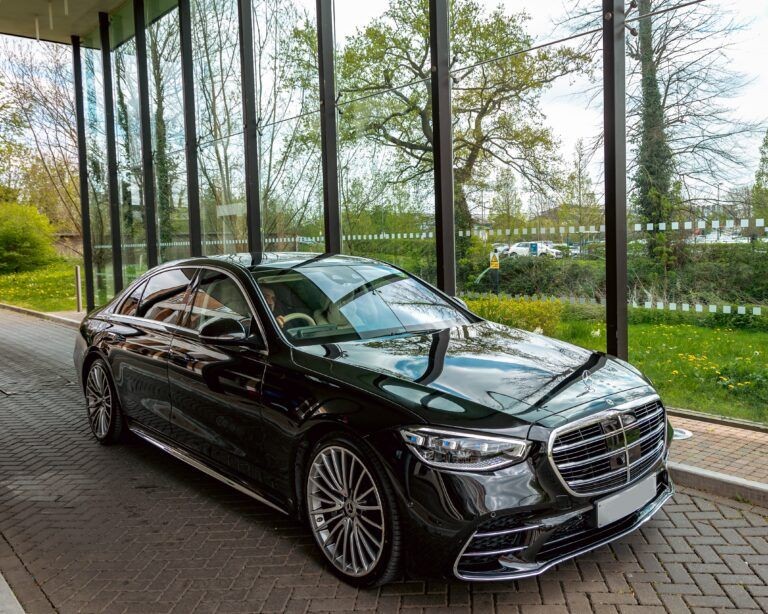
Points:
[268,261]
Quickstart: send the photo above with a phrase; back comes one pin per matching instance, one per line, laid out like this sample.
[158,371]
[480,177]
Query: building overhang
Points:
[17,18]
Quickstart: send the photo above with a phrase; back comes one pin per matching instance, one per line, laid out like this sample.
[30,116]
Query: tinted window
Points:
[163,298]
[131,303]
[218,296]
[320,304]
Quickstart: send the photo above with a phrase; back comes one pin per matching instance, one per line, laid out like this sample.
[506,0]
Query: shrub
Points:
[26,239]
[528,315]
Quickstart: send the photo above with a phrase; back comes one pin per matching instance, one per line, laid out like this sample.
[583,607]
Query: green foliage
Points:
[653,178]
[759,194]
[540,316]
[722,371]
[495,107]
[26,238]
[51,288]
[544,276]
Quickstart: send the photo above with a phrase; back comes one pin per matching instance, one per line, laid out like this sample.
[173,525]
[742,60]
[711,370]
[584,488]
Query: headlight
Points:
[463,451]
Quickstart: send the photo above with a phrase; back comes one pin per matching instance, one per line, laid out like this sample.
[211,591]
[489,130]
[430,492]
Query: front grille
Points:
[611,450]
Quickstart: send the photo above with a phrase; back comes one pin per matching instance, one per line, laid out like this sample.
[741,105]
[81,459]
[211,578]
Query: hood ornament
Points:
[586,379]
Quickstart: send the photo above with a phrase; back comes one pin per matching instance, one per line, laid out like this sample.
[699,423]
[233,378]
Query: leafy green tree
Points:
[385,69]
[578,202]
[760,189]
[506,206]
[26,238]
[653,176]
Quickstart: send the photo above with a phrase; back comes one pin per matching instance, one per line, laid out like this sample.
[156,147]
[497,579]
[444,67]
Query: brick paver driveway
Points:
[127,529]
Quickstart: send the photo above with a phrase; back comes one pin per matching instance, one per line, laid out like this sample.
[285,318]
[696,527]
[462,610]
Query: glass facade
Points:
[386,165]
[166,111]
[125,88]
[219,117]
[525,184]
[98,188]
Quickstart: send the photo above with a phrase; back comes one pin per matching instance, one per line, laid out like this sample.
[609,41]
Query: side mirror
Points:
[223,331]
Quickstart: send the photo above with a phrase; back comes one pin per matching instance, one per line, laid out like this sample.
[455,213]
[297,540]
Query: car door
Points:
[216,389]
[147,319]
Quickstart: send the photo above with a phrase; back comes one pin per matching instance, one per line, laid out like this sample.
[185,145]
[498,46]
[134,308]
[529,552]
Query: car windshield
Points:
[340,302]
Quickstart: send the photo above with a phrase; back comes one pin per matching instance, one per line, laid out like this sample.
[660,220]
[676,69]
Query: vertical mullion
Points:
[190,128]
[109,119]
[250,127]
[614,105]
[328,129]
[148,171]
[82,159]
[445,237]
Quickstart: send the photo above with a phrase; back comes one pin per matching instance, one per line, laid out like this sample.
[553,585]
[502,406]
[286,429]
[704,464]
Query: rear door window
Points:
[130,304]
[164,296]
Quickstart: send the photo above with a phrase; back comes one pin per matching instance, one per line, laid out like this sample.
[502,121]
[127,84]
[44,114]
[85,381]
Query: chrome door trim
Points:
[193,462]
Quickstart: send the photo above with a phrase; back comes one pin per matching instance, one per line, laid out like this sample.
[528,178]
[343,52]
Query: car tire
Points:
[358,530]
[102,405]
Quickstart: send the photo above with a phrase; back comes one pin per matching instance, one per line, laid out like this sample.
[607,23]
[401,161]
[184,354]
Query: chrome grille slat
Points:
[631,440]
[495,552]
[603,437]
[593,459]
[617,471]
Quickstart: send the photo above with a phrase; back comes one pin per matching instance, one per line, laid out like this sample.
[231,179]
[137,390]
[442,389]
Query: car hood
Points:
[477,371]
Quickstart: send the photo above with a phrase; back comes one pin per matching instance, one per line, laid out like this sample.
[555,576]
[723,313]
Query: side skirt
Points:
[193,462]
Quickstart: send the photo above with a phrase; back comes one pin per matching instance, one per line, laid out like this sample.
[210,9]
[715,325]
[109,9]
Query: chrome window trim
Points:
[197,268]
[615,412]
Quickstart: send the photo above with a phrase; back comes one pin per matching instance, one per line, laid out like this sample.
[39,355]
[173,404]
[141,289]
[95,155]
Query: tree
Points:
[696,78]
[579,205]
[37,85]
[384,85]
[653,174]
[506,205]
[760,189]
[26,238]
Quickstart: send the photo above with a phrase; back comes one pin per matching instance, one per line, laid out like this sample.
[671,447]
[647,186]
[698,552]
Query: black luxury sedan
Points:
[411,435]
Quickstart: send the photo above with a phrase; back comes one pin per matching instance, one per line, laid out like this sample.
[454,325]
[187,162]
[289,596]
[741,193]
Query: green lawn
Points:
[51,288]
[715,370]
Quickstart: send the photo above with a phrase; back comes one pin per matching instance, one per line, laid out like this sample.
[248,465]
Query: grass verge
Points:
[51,288]
[721,371]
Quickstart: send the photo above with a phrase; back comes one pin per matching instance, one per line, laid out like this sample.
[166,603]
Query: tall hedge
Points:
[26,238]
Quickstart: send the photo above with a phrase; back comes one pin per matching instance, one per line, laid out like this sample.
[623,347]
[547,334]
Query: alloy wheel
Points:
[98,395]
[345,511]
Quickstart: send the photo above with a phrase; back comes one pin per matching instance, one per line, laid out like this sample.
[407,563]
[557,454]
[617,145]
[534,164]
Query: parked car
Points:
[571,251]
[542,248]
[502,249]
[408,433]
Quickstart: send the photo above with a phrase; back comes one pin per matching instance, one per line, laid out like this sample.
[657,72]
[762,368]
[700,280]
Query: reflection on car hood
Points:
[483,365]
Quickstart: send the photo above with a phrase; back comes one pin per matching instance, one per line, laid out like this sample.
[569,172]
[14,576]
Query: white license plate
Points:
[613,508]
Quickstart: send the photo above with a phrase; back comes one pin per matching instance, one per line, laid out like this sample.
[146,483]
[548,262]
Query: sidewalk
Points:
[727,460]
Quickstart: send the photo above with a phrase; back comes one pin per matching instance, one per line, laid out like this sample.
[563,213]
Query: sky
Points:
[569,111]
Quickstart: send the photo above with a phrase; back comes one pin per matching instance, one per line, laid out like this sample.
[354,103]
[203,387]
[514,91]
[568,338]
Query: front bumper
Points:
[513,523]
[496,551]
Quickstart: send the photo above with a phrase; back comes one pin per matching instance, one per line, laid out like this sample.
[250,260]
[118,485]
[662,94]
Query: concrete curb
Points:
[738,423]
[720,484]
[41,315]
[8,602]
